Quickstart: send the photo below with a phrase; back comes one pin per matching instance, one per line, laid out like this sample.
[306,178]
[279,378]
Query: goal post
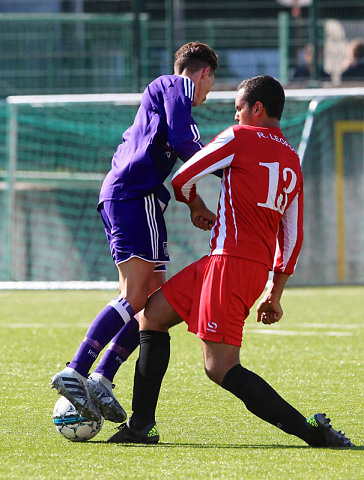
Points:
[59,148]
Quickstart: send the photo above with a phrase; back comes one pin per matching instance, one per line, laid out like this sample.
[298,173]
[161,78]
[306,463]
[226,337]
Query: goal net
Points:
[57,149]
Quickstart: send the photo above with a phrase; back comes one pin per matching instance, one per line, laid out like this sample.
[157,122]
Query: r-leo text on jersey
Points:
[281,140]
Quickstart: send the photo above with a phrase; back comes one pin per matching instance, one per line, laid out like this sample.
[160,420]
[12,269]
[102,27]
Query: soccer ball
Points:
[71,424]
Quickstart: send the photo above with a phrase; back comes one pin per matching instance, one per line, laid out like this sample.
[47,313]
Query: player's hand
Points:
[202,222]
[201,216]
[269,312]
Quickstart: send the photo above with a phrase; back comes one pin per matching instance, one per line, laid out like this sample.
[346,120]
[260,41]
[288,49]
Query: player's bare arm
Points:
[269,309]
[201,216]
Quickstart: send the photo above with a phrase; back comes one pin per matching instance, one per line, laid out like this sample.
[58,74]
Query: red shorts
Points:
[214,296]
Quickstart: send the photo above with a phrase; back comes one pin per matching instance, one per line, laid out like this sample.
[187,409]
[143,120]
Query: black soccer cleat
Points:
[128,434]
[329,437]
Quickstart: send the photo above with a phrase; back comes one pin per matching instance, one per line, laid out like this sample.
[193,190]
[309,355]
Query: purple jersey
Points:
[163,130]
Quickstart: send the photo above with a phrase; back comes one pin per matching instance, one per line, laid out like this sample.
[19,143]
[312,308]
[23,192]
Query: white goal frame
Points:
[316,95]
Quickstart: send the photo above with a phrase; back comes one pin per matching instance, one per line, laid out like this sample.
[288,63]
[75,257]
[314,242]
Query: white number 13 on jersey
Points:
[275,201]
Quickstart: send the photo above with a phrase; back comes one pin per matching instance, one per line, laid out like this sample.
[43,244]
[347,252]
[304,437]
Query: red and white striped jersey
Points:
[261,199]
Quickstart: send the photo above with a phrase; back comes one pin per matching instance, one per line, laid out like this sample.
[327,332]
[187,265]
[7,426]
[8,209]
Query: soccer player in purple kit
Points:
[131,204]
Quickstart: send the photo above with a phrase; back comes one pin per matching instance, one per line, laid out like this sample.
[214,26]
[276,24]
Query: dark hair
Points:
[267,90]
[357,47]
[194,56]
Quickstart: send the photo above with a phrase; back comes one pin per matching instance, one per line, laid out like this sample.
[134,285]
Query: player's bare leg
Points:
[95,396]
[135,279]
[219,359]
[222,365]
[135,276]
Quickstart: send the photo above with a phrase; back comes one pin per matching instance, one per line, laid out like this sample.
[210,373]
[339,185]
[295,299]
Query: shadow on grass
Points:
[225,445]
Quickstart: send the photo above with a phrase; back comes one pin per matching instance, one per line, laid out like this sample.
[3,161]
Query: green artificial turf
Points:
[313,358]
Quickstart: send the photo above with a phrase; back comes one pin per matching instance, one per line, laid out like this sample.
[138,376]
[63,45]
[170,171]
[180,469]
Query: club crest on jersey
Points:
[165,249]
[211,327]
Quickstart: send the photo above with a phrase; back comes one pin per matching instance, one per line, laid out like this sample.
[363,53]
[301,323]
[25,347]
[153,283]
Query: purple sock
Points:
[103,328]
[122,345]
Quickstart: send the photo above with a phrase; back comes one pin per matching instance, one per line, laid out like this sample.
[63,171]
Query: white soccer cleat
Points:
[73,386]
[100,389]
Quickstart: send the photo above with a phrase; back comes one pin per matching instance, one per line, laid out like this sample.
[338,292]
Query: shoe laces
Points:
[121,426]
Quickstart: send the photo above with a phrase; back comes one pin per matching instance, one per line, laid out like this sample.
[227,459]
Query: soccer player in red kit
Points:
[259,227]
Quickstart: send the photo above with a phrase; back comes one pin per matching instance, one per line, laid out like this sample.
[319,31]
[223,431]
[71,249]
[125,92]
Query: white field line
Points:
[74,285]
[308,292]
[263,331]
[43,325]
[332,325]
[299,333]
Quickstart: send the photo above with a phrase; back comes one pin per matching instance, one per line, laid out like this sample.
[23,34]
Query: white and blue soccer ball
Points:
[71,424]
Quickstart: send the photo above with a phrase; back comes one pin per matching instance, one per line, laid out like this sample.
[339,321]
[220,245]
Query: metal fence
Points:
[99,53]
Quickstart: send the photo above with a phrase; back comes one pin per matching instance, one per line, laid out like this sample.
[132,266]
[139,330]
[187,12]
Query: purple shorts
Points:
[136,228]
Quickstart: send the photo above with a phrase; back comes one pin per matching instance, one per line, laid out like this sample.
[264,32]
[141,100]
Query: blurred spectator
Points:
[355,69]
[303,71]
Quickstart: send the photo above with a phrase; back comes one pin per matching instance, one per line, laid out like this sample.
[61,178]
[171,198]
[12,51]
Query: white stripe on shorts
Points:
[195,133]
[152,223]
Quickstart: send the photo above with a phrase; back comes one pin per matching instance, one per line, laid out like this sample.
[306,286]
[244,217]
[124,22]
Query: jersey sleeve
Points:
[183,134]
[290,236]
[217,155]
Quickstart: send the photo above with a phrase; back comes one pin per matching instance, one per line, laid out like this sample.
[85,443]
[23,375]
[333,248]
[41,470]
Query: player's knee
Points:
[216,370]
[213,373]
[137,300]
[149,320]
[158,314]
